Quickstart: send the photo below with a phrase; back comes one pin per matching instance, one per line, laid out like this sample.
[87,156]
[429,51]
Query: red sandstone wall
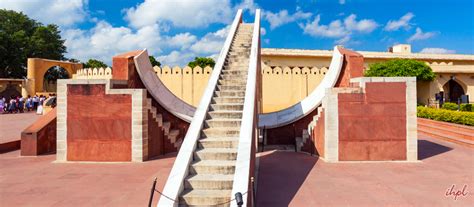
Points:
[353,67]
[372,126]
[98,125]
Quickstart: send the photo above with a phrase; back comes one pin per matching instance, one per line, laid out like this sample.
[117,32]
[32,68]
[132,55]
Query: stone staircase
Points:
[171,134]
[455,133]
[211,172]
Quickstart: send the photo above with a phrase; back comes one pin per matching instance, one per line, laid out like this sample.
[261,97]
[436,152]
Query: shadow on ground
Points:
[282,176]
[427,149]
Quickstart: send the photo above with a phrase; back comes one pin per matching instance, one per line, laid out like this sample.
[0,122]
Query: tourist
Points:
[35,102]
[12,105]
[39,109]
[21,105]
[2,104]
[29,103]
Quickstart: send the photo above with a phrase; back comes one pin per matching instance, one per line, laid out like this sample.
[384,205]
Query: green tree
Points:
[202,62]
[401,68]
[154,62]
[22,38]
[93,63]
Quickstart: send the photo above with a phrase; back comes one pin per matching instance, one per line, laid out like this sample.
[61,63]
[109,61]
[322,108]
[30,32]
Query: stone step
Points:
[230,87]
[239,53]
[244,38]
[166,127]
[233,63]
[453,139]
[232,69]
[173,136]
[205,197]
[238,56]
[235,72]
[233,76]
[446,131]
[225,114]
[242,41]
[232,82]
[230,93]
[225,167]
[240,45]
[216,154]
[209,182]
[228,100]
[221,132]
[243,60]
[227,107]
[242,30]
[223,122]
[240,48]
[446,125]
[220,142]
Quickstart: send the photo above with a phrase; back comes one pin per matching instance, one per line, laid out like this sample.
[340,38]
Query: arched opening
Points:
[51,76]
[453,91]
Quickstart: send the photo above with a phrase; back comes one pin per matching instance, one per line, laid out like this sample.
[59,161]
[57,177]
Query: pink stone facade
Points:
[372,124]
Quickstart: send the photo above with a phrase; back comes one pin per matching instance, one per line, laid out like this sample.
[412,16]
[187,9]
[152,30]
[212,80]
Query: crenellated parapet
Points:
[282,86]
[93,73]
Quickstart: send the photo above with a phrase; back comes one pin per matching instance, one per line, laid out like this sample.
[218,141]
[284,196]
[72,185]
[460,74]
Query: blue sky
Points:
[177,31]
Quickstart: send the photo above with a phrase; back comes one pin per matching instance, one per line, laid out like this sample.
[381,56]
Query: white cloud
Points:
[338,28]
[334,30]
[263,31]
[211,42]
[435,50]
[363,26]
[420,35]
[104,41]
[404,21]
[182,13]
[183,40]
[61,12]
[282,17]
[342,1]
[176,58]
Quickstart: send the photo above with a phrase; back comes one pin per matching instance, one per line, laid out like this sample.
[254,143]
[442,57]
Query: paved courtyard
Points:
[285,179]
[294,179]
[38,181]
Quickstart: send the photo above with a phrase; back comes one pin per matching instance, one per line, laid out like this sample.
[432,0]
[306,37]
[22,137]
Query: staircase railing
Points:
[248,131]
[174,185]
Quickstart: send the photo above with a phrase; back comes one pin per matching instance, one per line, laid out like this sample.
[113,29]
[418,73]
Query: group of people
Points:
[21,104]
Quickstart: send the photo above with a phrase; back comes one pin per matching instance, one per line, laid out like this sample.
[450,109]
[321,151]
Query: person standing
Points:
[28,103]
[21,104]
[12,105]
[2,104]
[39,110]
[35,102]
